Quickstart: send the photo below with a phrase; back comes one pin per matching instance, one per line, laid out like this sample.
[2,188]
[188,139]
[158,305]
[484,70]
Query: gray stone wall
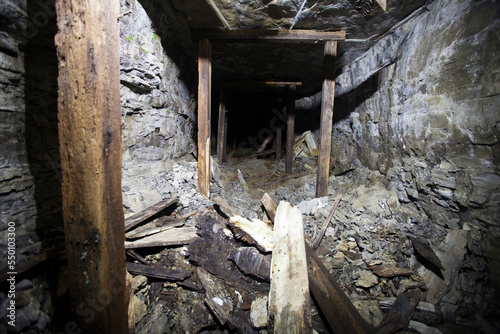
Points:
[158,108]
[422,107]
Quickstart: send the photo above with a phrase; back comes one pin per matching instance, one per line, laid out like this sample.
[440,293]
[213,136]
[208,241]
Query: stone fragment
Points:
[366,279]
[258,312]
[139,282]
[422,328]
[140,309]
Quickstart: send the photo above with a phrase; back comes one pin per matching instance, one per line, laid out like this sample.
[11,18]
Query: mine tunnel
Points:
[232,166]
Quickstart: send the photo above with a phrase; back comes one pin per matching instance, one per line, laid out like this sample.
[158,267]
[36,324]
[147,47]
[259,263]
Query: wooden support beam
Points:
[224,141]
[290,311]
[277,143]
[270,36]
[290,128]
[257,84]
[325,130]
[221,129]
[204,101]
[91,161]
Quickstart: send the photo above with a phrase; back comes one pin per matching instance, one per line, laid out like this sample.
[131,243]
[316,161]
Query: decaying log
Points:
[290,312]
[217,298]
[255,232]
[140,217]
[321,234]
[425,250]
[386,270]
[400,314]
[341,314]
[252,262]
[157,272]
[172,237]
[270,205]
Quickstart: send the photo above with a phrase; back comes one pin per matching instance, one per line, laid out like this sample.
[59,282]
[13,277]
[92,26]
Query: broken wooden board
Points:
[319,237]
[139,217]
[172,237]
[270,205]
[255,232]
[252,262]
[167,225]
[339,311]
[387,270]
[400,314]
[218,300]
[157,272]
[290,312]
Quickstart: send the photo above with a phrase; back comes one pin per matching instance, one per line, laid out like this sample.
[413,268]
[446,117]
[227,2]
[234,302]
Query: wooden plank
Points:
[321,234]
[337,308]
[277,145]
[270,205]
[255,232]
[172,237]
[157,272]
[91,161]
[269,36]
[221,136]
[265,143]
[204,102]
[290,311]
[147,213]
[290,129]
[258,84]
[325,130]
[341,314]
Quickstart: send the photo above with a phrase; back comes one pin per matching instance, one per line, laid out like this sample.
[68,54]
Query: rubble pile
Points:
[377,247]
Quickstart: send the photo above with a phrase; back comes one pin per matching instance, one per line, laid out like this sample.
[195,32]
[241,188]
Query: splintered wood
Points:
[290,311]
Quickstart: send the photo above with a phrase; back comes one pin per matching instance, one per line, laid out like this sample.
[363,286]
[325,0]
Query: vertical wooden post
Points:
[204,101]
[91,161]
[221,130]
[290,128]
[224,142]
[325,130]
[278,143]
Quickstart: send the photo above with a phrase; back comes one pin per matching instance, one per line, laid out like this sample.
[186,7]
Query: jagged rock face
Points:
[422,107]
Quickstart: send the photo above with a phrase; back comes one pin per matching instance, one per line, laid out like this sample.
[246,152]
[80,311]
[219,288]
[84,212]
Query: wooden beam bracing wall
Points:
[221,130]
[325,130]
[91,161]
[204,101]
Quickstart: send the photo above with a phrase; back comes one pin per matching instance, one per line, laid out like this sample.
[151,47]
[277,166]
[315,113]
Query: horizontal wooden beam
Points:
[269,36]
[265,83]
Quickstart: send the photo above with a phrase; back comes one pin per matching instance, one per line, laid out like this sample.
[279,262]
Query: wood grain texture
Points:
[270,36]
[221,129]
[204,104]
[325,129]
[91,160]
[290,129]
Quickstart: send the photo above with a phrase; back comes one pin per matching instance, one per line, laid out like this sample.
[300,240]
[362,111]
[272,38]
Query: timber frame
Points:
[205,38]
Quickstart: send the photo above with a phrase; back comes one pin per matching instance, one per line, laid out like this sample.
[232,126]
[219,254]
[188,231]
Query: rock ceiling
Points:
[363,21]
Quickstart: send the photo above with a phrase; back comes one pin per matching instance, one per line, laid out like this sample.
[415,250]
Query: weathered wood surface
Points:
[265,143]
[262,153]
[289,311]
[172,237]
[252,262]
[217,297]
[277,144]
[290,129]
[341,314]
[153,230]
[258,84]
[255,232]
[400,314]
[270,36]
[157,272]
[321,234]
[386,270]
[204,104]
[147,213]
[221,128]
[91,162]
[270,205]
[325,128]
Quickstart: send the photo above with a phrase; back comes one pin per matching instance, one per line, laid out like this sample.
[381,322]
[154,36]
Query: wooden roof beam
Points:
[269,36]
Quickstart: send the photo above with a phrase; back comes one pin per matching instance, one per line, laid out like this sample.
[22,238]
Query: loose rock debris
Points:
[368,248]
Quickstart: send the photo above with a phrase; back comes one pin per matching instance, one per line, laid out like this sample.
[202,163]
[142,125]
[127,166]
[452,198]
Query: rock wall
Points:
[158,108]
[30,195]
[421,106]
